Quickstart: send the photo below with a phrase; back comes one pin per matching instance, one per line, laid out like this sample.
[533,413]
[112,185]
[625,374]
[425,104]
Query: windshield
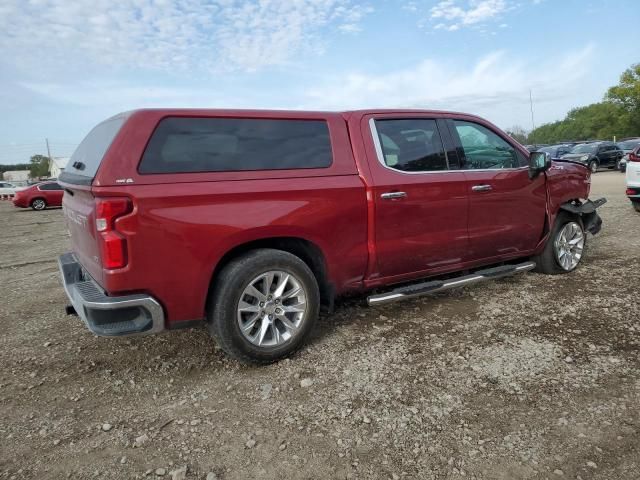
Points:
[585,148]
[629,144]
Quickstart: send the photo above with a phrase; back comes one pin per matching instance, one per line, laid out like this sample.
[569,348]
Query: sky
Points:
[67,65]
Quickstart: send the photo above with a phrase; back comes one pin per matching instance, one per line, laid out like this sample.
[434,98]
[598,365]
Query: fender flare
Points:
[588,212]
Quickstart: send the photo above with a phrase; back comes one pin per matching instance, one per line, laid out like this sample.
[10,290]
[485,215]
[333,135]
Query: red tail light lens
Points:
[631,191]
[113,245]
[634,157]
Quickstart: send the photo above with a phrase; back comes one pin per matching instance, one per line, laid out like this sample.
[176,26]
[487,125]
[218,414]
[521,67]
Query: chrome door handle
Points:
[392,195]
[482,188]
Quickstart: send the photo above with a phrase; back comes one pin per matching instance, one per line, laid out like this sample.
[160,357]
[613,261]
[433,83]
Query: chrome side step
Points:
[426,288]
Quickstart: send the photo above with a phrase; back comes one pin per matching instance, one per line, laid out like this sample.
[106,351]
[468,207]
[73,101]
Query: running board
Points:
[426,288]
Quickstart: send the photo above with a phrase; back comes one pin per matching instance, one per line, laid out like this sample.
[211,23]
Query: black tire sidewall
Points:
[223,301]
[591,163]
[547,262]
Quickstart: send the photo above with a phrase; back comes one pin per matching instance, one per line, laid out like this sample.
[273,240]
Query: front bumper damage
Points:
[588,212]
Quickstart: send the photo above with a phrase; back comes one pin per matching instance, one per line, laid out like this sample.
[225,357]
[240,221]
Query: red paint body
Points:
[23,198]
[182,225]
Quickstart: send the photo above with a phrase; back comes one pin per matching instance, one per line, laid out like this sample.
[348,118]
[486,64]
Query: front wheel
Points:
[263,306]
[39,204]
[593,166]
[564,248]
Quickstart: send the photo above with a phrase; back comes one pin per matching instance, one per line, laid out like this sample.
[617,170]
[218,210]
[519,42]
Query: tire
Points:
[38,204]
[548,261]
[259,268]
[636,205]
[593,166]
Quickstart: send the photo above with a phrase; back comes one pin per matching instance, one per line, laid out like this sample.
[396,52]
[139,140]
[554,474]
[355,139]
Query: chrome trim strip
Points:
[380,155]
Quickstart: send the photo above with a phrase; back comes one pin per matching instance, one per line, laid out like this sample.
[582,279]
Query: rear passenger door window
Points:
[182,144]
[484,149]
[50,186]
[411,145]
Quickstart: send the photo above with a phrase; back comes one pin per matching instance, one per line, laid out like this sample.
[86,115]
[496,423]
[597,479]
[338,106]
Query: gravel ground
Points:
[526,377]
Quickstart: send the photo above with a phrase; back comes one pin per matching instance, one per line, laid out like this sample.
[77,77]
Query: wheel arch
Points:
[307,251]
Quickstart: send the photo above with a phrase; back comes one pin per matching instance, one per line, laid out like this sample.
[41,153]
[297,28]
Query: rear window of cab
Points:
[190,144]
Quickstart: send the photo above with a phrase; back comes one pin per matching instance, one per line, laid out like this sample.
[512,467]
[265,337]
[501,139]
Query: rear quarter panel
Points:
[181,231]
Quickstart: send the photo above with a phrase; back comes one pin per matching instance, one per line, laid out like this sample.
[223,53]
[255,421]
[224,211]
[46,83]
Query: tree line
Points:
[38,166]
[618,115]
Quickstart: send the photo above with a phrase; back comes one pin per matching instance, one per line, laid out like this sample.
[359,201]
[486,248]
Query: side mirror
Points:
[538,162]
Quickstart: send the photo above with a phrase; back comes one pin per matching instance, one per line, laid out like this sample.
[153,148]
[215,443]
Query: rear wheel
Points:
[565,246]
[593,166]
[636,205]
[263,306]
[38,204]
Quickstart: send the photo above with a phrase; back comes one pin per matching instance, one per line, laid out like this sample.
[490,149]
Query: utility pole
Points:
[46,140]
[533,124]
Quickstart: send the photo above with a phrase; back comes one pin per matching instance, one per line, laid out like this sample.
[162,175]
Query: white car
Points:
[633,178]
[7,188]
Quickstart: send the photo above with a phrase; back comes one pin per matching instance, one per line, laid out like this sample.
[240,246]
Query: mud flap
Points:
[590,218]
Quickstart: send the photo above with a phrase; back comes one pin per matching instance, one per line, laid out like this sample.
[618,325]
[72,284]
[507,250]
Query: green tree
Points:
[627,95]
[617,116]
[39,166]
[518,133]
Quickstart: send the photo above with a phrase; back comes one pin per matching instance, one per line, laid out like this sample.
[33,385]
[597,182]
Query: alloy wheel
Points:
[272,308]
[568,246]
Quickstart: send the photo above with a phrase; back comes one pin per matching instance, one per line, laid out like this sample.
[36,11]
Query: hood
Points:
[574,156]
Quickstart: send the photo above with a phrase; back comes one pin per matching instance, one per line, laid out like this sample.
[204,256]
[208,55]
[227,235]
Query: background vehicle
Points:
[533,148]
[595,155]
[633,178]
[556,151]
[7,188]
[39,196]
[250,220]
[627,146]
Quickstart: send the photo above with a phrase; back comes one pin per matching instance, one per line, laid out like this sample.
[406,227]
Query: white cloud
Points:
[496,86]
[221,35]
[466,13]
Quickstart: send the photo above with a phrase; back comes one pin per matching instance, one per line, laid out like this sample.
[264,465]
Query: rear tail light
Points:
[631,191]
[113,245]
[634,157]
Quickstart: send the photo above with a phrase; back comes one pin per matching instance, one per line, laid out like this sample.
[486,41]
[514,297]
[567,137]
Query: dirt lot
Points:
[527,377]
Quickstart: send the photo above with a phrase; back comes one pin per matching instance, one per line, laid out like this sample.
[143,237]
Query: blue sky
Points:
[66,65]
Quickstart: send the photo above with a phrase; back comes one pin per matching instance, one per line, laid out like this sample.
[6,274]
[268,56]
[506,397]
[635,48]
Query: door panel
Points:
[508,217]
[506,208]
[421,210]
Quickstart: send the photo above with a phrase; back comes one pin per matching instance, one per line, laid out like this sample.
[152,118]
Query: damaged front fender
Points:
[587,211]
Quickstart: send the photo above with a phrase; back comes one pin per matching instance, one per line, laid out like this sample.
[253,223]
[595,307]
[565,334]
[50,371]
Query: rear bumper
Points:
[107,316]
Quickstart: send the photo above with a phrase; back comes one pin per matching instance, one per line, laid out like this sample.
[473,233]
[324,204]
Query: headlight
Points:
[584,158]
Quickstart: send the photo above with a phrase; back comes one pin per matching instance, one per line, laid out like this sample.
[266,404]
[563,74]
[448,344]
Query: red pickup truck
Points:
[250,221]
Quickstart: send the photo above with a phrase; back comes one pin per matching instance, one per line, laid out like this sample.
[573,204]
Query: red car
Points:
[249,221]
[39,196]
